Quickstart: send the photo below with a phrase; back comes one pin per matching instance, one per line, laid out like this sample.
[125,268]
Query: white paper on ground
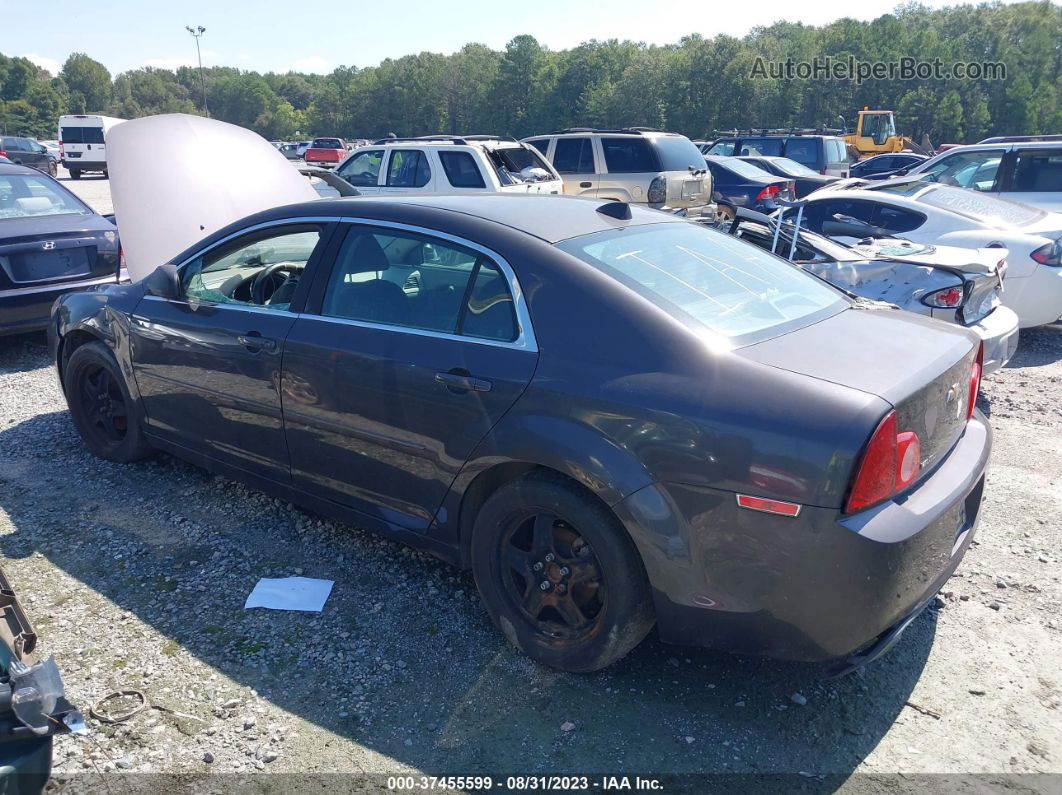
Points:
[290,593]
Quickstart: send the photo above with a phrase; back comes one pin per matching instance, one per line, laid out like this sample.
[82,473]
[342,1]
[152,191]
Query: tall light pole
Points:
[196,33]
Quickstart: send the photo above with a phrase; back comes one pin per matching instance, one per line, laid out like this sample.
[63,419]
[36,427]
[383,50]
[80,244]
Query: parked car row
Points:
[643,417]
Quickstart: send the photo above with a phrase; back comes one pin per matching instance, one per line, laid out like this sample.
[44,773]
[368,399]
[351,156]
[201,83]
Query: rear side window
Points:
[489,312]
[803,150]
[837,150]
[1038,171]
[408,169]
[628,155]
[461,170]
[574,156]
[81,135]
[541,144]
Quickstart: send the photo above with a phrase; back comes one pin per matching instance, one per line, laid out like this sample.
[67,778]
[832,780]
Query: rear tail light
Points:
[1001,268]
[948,298]
[657,190]
[822,171]
[1050,254]
[890,462]
[975,380]
[3,153]
[767,193]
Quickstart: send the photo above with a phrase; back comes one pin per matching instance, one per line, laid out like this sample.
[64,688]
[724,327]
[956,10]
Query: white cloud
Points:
[315,63]
[44,62]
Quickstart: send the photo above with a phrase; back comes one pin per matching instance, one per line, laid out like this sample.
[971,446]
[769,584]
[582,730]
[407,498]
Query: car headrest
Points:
[33,203]
[366,256]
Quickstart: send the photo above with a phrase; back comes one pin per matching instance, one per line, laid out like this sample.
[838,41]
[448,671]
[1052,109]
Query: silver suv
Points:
[662,170]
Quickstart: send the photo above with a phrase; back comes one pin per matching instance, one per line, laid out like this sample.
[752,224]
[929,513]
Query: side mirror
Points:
[850,228]
[163,282]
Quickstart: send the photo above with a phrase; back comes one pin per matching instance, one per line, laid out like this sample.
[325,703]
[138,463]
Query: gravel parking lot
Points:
[136,578]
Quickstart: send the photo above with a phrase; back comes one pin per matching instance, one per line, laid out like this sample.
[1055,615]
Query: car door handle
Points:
[253,341]
[463,382]
[586,184]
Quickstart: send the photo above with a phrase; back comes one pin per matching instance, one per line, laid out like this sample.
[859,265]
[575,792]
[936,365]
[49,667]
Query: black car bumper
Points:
[818,587]
[26,310]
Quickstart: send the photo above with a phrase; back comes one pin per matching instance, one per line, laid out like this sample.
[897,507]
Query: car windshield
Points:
[709,280]
[792,168]
[677,153]
[743,168]
[28,196]
[967,203]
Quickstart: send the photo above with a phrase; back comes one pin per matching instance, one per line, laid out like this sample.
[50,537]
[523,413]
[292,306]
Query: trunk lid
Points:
[72,249]
[918,365]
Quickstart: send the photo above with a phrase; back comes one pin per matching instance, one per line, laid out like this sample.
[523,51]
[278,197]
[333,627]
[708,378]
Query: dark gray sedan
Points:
[615,417]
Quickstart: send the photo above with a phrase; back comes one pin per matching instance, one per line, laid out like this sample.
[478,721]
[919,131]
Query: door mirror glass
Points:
[163,282]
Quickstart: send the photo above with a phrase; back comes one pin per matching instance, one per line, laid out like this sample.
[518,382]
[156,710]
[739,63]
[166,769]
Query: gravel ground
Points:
[136,577]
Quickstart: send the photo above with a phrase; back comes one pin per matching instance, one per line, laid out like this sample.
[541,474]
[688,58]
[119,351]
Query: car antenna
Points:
[621,211]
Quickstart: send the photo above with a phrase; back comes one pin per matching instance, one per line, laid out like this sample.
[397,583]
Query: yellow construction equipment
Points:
[875,134]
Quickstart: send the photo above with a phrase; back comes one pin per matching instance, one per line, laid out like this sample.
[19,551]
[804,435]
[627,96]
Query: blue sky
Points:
[271,36]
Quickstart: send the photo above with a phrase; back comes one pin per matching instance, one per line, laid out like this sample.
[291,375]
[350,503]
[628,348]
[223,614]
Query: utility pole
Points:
[196,33]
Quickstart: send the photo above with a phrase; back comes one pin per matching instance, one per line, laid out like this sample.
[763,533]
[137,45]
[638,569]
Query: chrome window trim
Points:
[525,337]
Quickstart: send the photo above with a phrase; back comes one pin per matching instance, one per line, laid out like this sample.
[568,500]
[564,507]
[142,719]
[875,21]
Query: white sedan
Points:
[945,215]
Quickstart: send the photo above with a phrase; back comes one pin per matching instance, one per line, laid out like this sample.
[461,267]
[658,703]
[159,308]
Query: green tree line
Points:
[694,86]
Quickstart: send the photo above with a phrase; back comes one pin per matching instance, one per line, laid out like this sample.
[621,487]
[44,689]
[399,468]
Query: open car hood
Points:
[173,183]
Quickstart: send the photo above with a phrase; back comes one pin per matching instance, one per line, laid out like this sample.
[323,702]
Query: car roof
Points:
[1003,146]
[11,168]
[549,218]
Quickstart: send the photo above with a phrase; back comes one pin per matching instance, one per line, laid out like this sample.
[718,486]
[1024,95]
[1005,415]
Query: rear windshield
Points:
[517,158]
[743,168]
[327,143]
[967,203]
[81,135]
[677,153]
[709,280]
[793,168]
[31,196]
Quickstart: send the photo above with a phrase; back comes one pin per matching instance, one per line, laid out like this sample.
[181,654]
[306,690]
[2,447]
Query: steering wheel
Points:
[265,276]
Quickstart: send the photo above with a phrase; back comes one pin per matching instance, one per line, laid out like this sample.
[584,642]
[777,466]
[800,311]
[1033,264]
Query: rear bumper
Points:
[998,331]
[1037,299]
[84,165]
[818,587]
[24,310]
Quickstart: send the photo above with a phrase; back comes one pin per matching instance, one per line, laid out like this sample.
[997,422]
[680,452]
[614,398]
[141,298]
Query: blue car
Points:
[738,183]
[51,242]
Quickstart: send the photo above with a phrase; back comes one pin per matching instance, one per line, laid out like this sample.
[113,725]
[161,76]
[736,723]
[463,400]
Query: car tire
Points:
[101,407]
[725,214]
[75,173]
[52,168]
[544,528]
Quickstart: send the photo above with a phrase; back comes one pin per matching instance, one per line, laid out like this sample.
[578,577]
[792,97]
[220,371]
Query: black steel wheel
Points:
[559,575]
[100,406]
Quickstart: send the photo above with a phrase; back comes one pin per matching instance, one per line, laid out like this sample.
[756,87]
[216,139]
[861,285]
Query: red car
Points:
[326,152]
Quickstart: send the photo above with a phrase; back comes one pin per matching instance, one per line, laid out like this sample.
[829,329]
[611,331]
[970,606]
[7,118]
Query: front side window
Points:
[761,147]
[629,156]
[418,282]
[708,279]
[260,269]
[28,196]
[461,170]
[408,168]
[573,156]
[897,220]
[363,168]
[722,148]
[1038,171]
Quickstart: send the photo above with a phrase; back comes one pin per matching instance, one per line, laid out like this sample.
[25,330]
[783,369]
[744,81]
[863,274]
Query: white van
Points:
[82,143]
